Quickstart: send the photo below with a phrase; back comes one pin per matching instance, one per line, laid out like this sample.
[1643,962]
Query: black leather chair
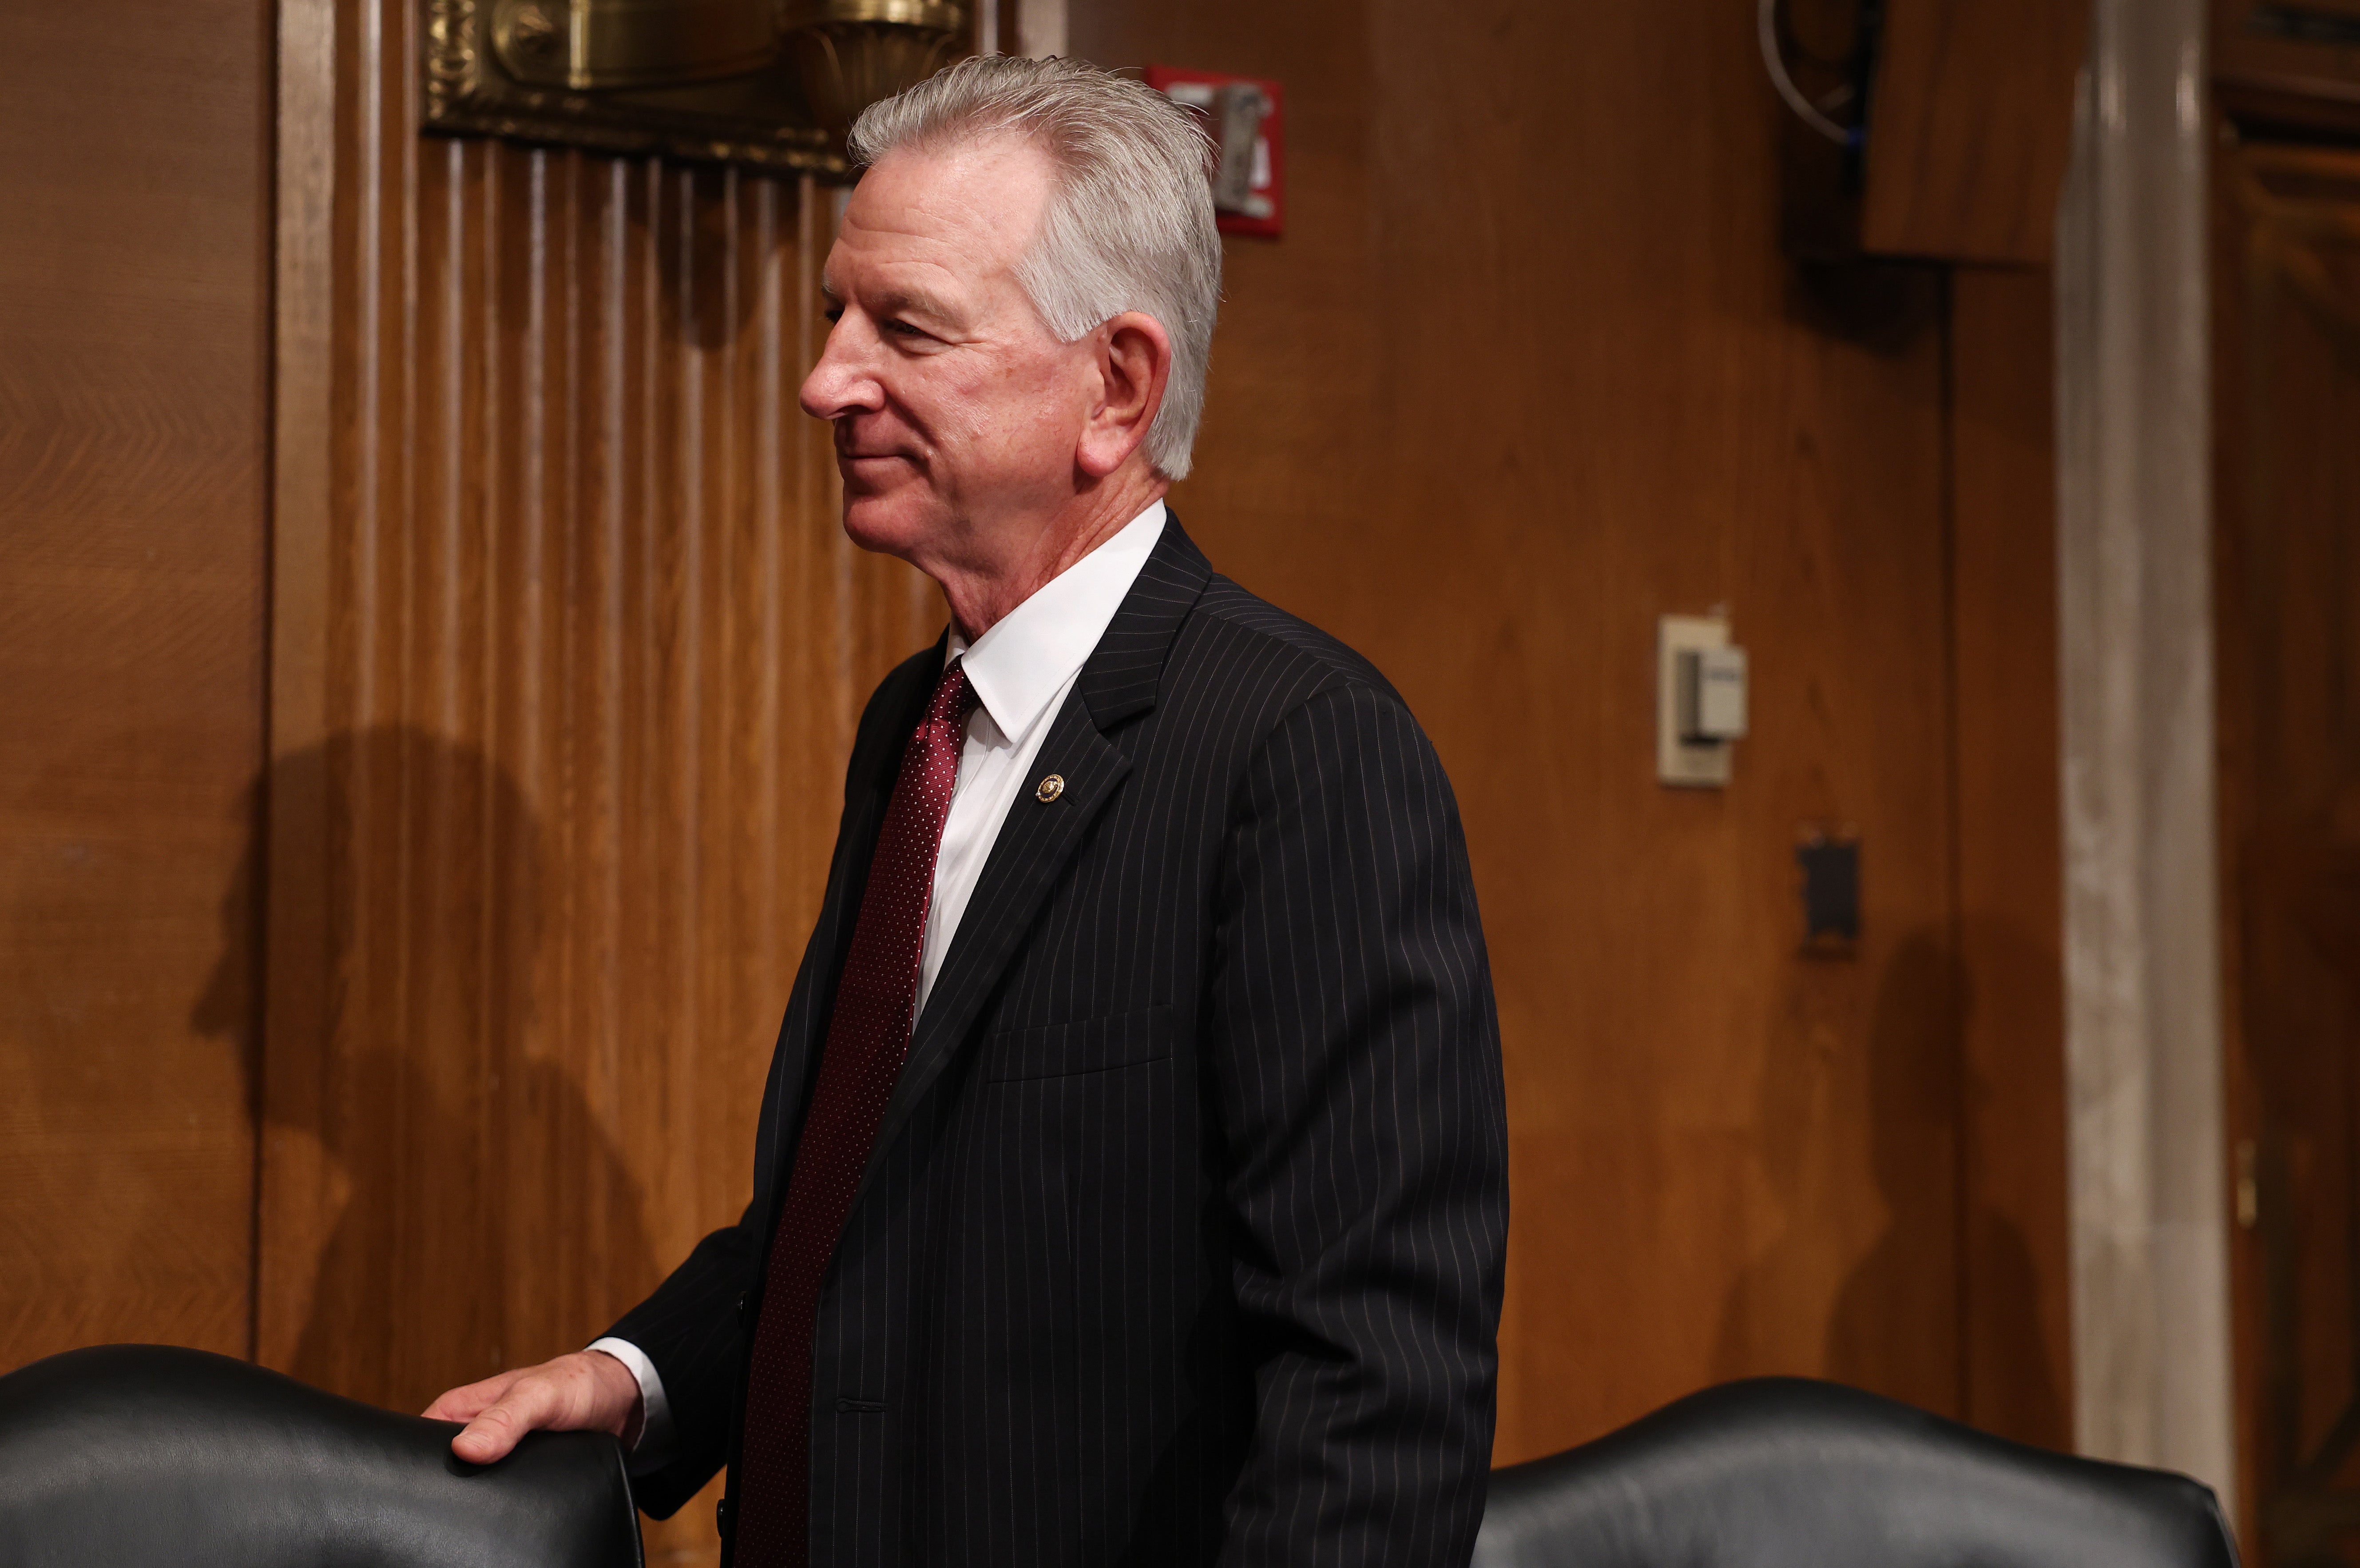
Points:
[1786,1473]
[141,1455]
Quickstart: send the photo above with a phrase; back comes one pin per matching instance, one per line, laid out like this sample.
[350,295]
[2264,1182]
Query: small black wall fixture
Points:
[1830,867]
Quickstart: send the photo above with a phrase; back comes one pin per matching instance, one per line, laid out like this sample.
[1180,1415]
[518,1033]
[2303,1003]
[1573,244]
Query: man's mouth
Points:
[848,455]
[871,471]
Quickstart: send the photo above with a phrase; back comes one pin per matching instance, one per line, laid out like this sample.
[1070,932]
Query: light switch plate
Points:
[1694,765]
[1713,694]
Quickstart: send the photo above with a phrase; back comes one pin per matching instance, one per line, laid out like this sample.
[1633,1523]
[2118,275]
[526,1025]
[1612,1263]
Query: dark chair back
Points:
[135,1455]
[1786,1473]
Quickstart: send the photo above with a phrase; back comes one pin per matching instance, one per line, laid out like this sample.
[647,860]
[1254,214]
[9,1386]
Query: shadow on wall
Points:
[477,1213]
[1894,1323]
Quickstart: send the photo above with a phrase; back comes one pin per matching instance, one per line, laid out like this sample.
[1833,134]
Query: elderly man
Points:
[1131,1181]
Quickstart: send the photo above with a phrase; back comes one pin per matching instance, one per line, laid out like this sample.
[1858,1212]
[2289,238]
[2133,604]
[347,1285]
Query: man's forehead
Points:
[968,207]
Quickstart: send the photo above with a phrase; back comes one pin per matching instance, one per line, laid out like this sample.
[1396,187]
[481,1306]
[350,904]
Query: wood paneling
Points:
[566,646]
[2288,66]
[1526,371]
[1970,125]
[2017,1315]
[2288,363]
[571,646]
[134,183]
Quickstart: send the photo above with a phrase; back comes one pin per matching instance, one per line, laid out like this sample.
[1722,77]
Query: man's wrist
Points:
[648,1436]
[615,1376]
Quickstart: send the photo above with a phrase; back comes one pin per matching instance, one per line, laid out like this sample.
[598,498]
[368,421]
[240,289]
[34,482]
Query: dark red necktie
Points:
[868,1036]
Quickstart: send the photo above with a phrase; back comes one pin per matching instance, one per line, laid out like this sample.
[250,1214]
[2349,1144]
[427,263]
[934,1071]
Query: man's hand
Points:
[586,1391]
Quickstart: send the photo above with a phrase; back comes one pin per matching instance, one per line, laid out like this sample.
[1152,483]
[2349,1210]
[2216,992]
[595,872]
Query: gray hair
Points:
[1129,225]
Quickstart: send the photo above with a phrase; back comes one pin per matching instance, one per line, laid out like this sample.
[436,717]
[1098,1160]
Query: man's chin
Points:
[893,523]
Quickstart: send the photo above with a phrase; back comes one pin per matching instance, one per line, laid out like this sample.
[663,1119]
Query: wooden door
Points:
[2288,356]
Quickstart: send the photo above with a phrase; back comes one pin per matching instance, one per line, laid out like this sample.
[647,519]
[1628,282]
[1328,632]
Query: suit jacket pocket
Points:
[1088,1045]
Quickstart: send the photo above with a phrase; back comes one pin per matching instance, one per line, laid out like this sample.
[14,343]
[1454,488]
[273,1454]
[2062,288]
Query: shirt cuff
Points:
[654,1449]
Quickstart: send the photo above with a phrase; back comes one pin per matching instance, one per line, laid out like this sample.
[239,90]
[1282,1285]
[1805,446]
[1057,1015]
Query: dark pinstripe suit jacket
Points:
[1181,1241]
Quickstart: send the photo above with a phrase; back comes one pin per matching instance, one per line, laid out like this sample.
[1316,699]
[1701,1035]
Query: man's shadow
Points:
[485,1219]
[1896,1324]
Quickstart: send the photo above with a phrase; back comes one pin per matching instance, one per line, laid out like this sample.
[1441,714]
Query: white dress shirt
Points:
[1021,670]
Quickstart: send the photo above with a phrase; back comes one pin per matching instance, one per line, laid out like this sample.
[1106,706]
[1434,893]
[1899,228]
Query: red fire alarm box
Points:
[1246,119]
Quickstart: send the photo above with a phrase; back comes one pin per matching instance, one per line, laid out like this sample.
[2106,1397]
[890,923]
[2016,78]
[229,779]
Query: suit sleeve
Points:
[689,1330]
[1353,1048]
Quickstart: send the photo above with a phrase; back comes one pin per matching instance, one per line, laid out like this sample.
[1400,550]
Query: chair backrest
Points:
[1788,1472]
[135,1455]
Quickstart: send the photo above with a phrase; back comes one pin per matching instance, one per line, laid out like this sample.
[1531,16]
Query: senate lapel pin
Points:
[1051,788]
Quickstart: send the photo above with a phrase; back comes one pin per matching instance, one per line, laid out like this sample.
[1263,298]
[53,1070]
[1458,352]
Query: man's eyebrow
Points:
[916,302]
[899,301]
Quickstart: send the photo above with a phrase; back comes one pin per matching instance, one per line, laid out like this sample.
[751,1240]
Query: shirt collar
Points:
[1032,651]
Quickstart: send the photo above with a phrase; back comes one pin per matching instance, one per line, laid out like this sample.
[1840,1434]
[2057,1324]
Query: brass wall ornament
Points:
[586,45]
[745,81]
[850,53]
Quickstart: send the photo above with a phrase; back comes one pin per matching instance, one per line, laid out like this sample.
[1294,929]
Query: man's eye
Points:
[903,328]
[834,314]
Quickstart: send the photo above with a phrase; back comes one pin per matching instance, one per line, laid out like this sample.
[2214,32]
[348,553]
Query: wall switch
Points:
[1713,695]
[1700,700]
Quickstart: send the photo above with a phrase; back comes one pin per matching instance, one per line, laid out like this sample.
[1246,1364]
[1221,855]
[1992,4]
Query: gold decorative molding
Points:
[850,53]
[756,117]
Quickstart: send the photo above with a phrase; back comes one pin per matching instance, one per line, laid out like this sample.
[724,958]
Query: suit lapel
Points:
[1039,838]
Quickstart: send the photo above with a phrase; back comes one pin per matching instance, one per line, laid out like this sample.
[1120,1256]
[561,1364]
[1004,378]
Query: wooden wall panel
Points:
[133,284]
[2017,1313]
[2290,72]
[561,770]
[1526,371]
[2287,368]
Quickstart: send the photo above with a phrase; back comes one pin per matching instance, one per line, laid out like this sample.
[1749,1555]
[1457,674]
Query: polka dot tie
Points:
[868,1037]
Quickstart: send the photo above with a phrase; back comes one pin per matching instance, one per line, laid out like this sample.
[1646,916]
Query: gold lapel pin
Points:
[1051,788]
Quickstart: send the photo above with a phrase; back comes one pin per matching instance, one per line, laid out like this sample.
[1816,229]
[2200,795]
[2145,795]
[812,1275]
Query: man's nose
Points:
[840,383]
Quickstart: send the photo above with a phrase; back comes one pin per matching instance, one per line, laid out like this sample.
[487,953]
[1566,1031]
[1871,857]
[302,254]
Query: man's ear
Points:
[1133,365]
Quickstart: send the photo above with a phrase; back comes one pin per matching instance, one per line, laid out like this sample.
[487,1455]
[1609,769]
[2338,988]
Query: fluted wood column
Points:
[568,649]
